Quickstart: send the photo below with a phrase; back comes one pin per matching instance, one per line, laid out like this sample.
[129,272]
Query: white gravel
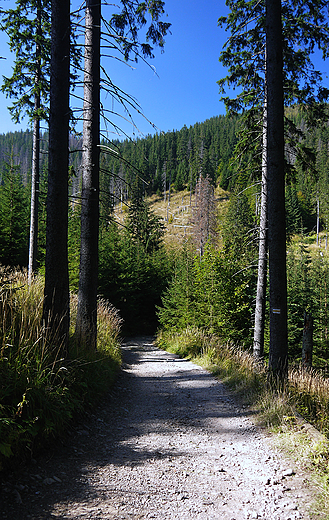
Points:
[169,443]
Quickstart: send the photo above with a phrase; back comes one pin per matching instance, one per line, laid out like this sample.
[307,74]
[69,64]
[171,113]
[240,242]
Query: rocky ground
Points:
[167,443]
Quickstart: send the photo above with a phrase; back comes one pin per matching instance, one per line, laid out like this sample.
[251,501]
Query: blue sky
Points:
[185,90]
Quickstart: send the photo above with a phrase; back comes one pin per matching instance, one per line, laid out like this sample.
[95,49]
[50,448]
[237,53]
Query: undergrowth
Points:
[306,392]
[40,392]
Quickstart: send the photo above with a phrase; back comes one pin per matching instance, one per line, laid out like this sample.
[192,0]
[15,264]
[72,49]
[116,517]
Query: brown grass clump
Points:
[310,393]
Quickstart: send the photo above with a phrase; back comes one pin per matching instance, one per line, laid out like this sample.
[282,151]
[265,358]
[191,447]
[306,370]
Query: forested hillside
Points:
[16,150]
[175,157]
[133,275]
[178,157]
[160,163]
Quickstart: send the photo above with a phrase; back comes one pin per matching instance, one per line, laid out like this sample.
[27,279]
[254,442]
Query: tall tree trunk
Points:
[317,219]
[86,325]
[258,348]
[278,359]
[307,350]
[33,241]
[56,303]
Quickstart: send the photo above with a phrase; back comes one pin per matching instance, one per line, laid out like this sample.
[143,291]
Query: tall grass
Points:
[40,392]
[307,391]
[310,393]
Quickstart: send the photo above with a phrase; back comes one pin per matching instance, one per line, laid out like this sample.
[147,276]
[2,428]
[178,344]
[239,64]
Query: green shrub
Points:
[40,392]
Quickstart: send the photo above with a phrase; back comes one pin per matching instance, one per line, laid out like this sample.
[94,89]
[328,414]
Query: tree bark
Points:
[258,348]
[56,302]
[278,358]
[86,325]
[33,241]
[317,219]
[307,350]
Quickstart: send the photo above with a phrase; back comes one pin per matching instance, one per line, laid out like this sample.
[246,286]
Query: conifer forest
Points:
[89,218]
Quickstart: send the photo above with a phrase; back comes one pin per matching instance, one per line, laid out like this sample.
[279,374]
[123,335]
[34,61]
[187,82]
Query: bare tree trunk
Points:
[307,350]
[164,178]
[35,181]
[278,359]
[317,219]
[56,303]
[86,325]
[203,217]
[258,348]
[33,241]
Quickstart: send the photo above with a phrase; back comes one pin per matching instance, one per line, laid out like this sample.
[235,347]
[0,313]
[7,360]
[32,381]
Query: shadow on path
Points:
[156,393]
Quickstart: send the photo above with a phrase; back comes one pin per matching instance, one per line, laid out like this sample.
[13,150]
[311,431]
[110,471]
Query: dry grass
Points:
[310,392]
[40,391]
[176,216]
[109,324]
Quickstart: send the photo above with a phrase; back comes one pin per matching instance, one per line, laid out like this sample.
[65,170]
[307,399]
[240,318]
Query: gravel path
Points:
[170,443]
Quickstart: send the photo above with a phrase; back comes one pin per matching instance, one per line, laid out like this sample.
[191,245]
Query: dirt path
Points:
[168,444]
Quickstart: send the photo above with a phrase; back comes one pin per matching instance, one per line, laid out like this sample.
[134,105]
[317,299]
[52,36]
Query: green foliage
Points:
[308,282]
[28,30]
[142,159]
[212,293]
[304,28]
[178,311]
[132,18]
[40,393]
[19,144]
[239,230]
[144,226]
[176,153]
[294,220]
[74,246]
[134,268]
[215,291]
[300,297]
[13,218]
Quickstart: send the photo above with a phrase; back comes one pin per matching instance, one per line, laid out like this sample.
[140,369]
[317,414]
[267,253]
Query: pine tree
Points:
[28,28]
[244,56]
[86,322]
[13,217]
[56,302]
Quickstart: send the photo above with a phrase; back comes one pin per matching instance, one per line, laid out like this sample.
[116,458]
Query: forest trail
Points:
[168,443]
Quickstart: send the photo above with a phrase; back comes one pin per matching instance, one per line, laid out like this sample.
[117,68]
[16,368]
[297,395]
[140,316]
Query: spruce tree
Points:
[122,31]
[303,27]
[86,323]
[56,302]
[28,28]
[13,217]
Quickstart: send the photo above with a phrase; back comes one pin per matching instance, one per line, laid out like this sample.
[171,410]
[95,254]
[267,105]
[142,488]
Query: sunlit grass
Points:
[40,391]
[310,393]
[177,214]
